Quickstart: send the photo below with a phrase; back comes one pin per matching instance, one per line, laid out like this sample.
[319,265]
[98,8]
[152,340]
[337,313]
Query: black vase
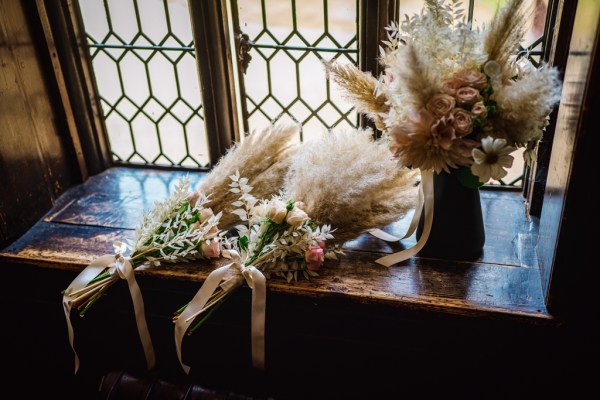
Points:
[457,231]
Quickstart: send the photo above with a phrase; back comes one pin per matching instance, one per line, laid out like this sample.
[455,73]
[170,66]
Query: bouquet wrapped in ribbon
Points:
[278,239]
[334,180]
[454,99]
[178,229]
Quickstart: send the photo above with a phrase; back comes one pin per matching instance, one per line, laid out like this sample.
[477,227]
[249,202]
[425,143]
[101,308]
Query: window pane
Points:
[144,62]
[286,78]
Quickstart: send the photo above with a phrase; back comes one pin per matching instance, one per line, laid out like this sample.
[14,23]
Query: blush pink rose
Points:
[314,256]
[193,198]
[205,214]
[450,86]
[467,95]
[441,104]
[471,77]
[479,110]
[463,124]
[210,249]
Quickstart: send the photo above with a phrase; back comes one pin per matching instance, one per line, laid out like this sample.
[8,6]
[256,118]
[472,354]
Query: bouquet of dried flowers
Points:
[453,98]
[278,239]
[178,229]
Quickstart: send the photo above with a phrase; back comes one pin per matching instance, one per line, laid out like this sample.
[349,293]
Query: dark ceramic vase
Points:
[457,231]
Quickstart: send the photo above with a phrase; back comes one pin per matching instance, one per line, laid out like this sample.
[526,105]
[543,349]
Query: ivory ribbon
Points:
[257,282]
[378,233]
[426,198]
[116,264]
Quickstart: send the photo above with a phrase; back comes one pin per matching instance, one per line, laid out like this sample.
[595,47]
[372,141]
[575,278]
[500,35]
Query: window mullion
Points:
[559,24]
[211,41]
[374,16]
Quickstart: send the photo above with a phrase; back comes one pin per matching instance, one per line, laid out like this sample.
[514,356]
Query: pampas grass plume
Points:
[263,157]
[346,179]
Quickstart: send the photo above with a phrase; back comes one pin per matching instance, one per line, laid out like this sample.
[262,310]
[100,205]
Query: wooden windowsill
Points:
[503,283]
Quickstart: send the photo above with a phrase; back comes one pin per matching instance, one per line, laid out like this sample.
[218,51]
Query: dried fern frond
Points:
[506,31]
[359,88]
[263,157]
[347,180]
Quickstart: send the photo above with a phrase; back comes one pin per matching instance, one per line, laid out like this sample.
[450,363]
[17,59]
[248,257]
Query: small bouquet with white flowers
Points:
[178,229]
[278,239]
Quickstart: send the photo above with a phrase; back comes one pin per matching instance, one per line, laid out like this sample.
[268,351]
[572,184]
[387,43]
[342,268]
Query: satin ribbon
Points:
[257,282]
[426,197]
[378,233]
[122,268]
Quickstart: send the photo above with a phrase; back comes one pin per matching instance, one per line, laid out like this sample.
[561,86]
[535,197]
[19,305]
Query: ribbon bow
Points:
[121,267]
[255,280]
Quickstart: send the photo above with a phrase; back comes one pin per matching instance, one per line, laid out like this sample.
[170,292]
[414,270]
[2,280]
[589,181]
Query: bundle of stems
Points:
[178,229]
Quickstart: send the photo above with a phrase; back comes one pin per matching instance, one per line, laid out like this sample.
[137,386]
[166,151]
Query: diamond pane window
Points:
[144,62]
[286,78]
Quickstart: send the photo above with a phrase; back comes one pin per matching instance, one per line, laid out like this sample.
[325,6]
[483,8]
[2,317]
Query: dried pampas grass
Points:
[506,31]
[263,157]
[360,88]
[344,181]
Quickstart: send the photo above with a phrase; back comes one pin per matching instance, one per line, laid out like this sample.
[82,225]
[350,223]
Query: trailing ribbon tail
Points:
[427,196]
[379,234]
[255,280]
[123,267]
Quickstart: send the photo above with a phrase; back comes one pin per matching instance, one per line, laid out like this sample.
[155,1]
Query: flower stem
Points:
[207,316]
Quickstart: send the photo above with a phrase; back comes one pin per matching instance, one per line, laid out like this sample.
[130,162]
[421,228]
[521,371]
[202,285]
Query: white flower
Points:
[491,159]
[277,211]
[296,217]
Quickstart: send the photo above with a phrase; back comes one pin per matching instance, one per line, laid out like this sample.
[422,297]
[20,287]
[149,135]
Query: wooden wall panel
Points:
[34,154]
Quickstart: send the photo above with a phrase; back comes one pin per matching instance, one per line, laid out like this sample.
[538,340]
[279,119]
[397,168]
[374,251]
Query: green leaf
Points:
[290,205]
[466,178]
[243,242]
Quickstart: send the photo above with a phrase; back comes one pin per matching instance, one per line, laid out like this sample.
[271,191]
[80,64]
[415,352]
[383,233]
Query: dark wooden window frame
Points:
[62,25]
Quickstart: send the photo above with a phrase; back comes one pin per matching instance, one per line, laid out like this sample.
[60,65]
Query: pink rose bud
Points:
[211,249]
[314,257]
[193,198]
[296,217]
[450,86]
[467,95]
[212,232]
[277,211]
[462,123]
[322,244]
[441,104]
[479,110]
[471,77]
[205,214]
[300,205]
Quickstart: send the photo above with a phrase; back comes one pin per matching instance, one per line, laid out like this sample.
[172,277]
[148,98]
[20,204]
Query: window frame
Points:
[62,25]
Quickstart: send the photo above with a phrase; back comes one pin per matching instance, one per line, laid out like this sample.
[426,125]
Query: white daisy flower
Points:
[492,159]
